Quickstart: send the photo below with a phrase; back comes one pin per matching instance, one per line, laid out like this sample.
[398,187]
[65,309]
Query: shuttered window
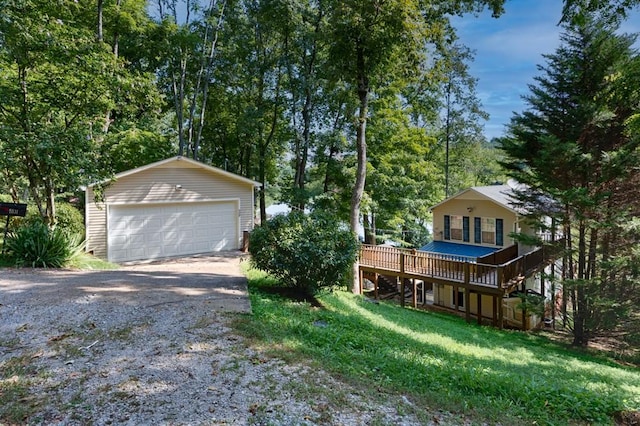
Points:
[499,232]
[477,230]
[447,227]
[465,229]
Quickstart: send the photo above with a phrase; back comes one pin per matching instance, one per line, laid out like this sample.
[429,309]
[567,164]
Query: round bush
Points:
[309,252]
[68,218]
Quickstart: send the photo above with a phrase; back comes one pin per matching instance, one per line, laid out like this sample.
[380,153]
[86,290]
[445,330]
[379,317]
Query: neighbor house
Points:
[173,207]
[473,265]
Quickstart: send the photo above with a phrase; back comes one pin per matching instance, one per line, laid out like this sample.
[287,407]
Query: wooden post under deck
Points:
[415,293]
[401,277]
[479,307]
[500,312]
[494,314]
[467,305]
[375,285]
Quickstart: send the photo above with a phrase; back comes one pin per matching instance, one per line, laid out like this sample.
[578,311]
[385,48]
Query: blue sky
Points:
[507,51]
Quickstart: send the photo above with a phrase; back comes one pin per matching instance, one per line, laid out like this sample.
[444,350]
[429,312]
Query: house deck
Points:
[494,275]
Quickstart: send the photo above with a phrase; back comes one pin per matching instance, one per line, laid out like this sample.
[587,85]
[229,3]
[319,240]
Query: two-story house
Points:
[473,266]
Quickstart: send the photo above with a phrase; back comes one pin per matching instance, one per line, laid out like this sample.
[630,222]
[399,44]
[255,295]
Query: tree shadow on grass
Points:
[294,294]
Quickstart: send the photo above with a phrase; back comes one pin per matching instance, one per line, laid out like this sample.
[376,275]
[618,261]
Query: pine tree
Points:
[571,147]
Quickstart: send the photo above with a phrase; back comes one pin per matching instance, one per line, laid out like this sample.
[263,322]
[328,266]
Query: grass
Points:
[86,261]
[441,362]
[80,260]
[17,403]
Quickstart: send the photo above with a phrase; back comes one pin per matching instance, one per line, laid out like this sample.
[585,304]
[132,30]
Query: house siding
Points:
[479,209]
[443,296]
[158,185]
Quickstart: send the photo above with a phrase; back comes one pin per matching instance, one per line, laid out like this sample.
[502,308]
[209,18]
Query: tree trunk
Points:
[580,314]
[361,148]
[369,223]
[100,12]
[447,141]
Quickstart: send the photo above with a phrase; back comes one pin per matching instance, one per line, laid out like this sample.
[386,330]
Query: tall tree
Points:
[404,176]
[571,146]
[56,83]
[578,11]
[250,101]
[461,114]
[305,57]
[374,41]
[191,31]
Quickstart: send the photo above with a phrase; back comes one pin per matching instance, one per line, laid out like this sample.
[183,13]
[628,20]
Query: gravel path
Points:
[151,344]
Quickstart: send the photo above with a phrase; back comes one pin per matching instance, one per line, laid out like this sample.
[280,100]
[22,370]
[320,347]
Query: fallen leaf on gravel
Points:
[60,337]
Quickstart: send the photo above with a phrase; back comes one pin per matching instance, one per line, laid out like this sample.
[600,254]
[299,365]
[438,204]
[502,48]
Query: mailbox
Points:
[13,209]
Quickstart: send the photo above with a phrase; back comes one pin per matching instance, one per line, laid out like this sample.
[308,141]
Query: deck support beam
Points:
[479,307]
[467,304]
[500,312]
[494,314]
[415,293]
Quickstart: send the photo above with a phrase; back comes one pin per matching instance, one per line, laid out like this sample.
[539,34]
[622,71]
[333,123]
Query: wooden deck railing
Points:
[500,256]
[461,269]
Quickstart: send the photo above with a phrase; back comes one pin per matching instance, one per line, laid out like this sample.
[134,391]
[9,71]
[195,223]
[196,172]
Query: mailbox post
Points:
[11,209]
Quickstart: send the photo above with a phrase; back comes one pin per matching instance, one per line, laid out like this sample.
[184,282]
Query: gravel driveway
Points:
[151,344]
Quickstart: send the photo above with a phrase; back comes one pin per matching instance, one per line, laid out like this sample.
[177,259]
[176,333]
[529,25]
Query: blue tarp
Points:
[455,249]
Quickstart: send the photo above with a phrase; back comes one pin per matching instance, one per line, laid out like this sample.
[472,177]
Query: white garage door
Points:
[149,232]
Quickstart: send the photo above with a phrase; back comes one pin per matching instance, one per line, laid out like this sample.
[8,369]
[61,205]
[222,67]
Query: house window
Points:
[490,231]
[456,228]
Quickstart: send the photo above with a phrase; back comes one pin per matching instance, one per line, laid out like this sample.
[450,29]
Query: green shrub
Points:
[36,245]
[306,252]
[68,218]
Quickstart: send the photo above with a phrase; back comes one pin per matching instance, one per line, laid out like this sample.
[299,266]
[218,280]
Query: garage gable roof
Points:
[186,160]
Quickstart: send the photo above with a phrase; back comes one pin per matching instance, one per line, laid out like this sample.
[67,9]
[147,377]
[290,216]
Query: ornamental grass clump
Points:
[36,245]
[307,252]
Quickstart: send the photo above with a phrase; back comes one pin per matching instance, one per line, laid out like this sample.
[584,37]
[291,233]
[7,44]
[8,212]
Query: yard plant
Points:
[37,245]
[306,252]
[439,362]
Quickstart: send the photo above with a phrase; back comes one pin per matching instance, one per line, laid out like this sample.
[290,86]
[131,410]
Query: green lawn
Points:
[440,361]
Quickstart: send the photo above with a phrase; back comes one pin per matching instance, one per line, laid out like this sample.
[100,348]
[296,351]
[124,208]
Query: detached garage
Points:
[173,207]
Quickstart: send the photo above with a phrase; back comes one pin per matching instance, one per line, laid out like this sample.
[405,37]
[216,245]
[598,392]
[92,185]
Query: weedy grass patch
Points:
[17,403]
[440,361]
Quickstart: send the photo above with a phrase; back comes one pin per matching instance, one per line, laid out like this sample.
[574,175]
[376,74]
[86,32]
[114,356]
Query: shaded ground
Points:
[151,344]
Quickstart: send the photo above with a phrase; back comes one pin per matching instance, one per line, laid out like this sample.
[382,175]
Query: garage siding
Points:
[159,185]
[96,231]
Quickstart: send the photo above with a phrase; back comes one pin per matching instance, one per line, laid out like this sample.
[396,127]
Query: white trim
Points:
[198,201]
[187,160]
